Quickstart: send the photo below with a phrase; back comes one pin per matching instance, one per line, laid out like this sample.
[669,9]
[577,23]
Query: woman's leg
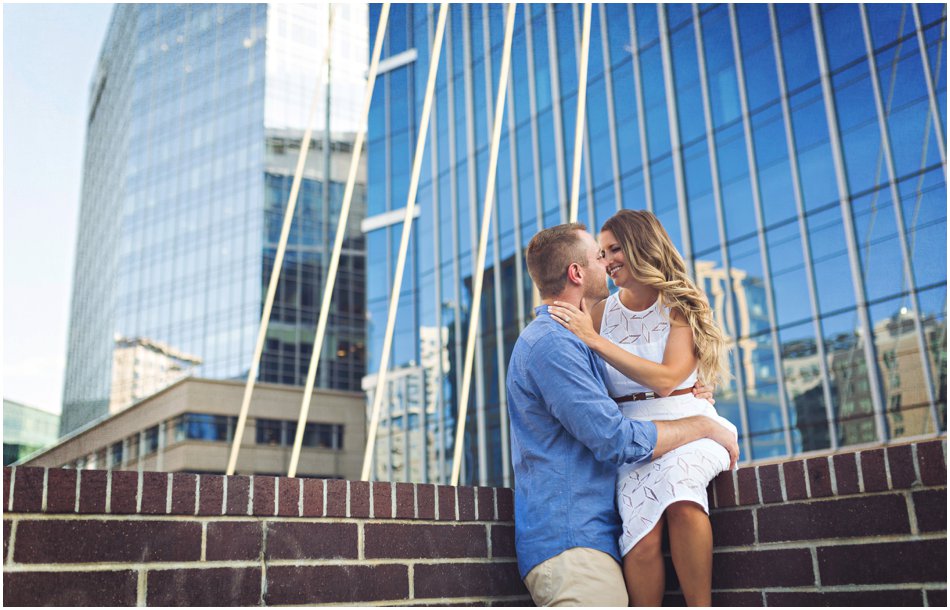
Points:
[643,569]
[691,548]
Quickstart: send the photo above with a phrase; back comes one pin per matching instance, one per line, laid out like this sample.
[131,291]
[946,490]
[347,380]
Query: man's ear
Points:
[574,273]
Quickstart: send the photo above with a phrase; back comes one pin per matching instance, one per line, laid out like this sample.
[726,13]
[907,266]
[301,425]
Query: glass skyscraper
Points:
[795,153]
[196,113]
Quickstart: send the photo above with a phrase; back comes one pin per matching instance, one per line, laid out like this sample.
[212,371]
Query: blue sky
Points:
[49,53]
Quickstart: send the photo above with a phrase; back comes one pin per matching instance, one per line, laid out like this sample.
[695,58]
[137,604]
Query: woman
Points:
[657,333]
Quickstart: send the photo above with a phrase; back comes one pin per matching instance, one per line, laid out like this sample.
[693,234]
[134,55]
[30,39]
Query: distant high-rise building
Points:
[752,131]
[196,113]
[26,429]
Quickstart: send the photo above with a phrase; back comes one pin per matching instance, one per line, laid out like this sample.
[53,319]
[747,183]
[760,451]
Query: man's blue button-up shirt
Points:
[567,439]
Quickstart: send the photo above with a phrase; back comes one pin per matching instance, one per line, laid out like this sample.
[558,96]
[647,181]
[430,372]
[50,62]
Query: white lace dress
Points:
[645,490]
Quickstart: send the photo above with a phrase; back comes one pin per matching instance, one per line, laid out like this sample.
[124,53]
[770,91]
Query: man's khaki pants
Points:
[577,577]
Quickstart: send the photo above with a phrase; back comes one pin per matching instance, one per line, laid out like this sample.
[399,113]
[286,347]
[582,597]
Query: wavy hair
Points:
[653,261]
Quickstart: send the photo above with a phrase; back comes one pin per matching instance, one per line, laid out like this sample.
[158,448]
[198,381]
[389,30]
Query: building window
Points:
[115,455]
[270,432]
[204,427]
[150,444]
[281,433]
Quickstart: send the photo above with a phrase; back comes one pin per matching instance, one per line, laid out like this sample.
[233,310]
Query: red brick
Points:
[467,580]
[936,598]
[933,465]
[502,541]
[846,474]
[859,599]
[183,493]
[719,598]
[732,527]
[7,472]
[336,584]
[446,495]
[486,503]
[841,518]
[770,483]
[930,506]
[7,526]
[755,569]
[884,563]
[748,486]
[28,490]
[313,497]
[819,477]
[900,459]
[107,541]
[359,499]
[288,502]
[61,490]
[154,493]
[725,492]
[239,495]
[232,541]
[92,491]
[466,497]
[425,495]
[418,541]
[125,489]
[406,502]
[795,480]
[264,501]
[383,500]
[214,587]
[211,494]
[291,540]
[68,589]
[336,498]
[873,470]
[505,504]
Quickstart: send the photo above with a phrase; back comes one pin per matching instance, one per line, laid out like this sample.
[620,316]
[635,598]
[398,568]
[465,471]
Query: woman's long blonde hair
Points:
[652,260]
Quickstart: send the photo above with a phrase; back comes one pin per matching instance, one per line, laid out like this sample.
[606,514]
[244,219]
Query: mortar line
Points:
[250,495]
[78,489]
[11,543]
[138,492]
[12,489]
[108,491]
[45,483]
[142,591]
[168,496]
[224,495]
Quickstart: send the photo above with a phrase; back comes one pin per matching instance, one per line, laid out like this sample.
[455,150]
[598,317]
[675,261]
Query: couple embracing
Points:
[613,438]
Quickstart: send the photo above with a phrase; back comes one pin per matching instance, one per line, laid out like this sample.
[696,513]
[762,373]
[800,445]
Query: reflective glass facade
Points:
[795,153]
[196,115]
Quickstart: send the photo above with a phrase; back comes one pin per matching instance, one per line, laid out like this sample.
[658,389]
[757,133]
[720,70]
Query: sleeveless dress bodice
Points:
[642,333]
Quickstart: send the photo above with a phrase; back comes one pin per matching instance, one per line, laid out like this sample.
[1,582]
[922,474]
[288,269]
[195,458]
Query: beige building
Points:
[141,367]
[189,427]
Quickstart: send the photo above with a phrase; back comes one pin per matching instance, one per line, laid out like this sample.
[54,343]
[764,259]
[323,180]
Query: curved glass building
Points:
[795,153]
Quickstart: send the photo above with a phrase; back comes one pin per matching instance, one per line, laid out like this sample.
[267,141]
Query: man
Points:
[568,437]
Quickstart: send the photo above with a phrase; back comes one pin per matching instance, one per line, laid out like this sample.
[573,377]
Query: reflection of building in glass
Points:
[411,429]
[750,130]
[25,430]
[141,367]
[195,114]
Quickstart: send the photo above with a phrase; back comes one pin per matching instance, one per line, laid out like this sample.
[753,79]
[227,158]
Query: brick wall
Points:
[124,538]
[857,528]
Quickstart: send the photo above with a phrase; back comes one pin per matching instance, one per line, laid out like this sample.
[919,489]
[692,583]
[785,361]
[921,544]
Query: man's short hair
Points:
[551,252]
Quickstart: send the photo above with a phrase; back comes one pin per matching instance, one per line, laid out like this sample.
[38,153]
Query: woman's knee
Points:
[678,511]
[649,547]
